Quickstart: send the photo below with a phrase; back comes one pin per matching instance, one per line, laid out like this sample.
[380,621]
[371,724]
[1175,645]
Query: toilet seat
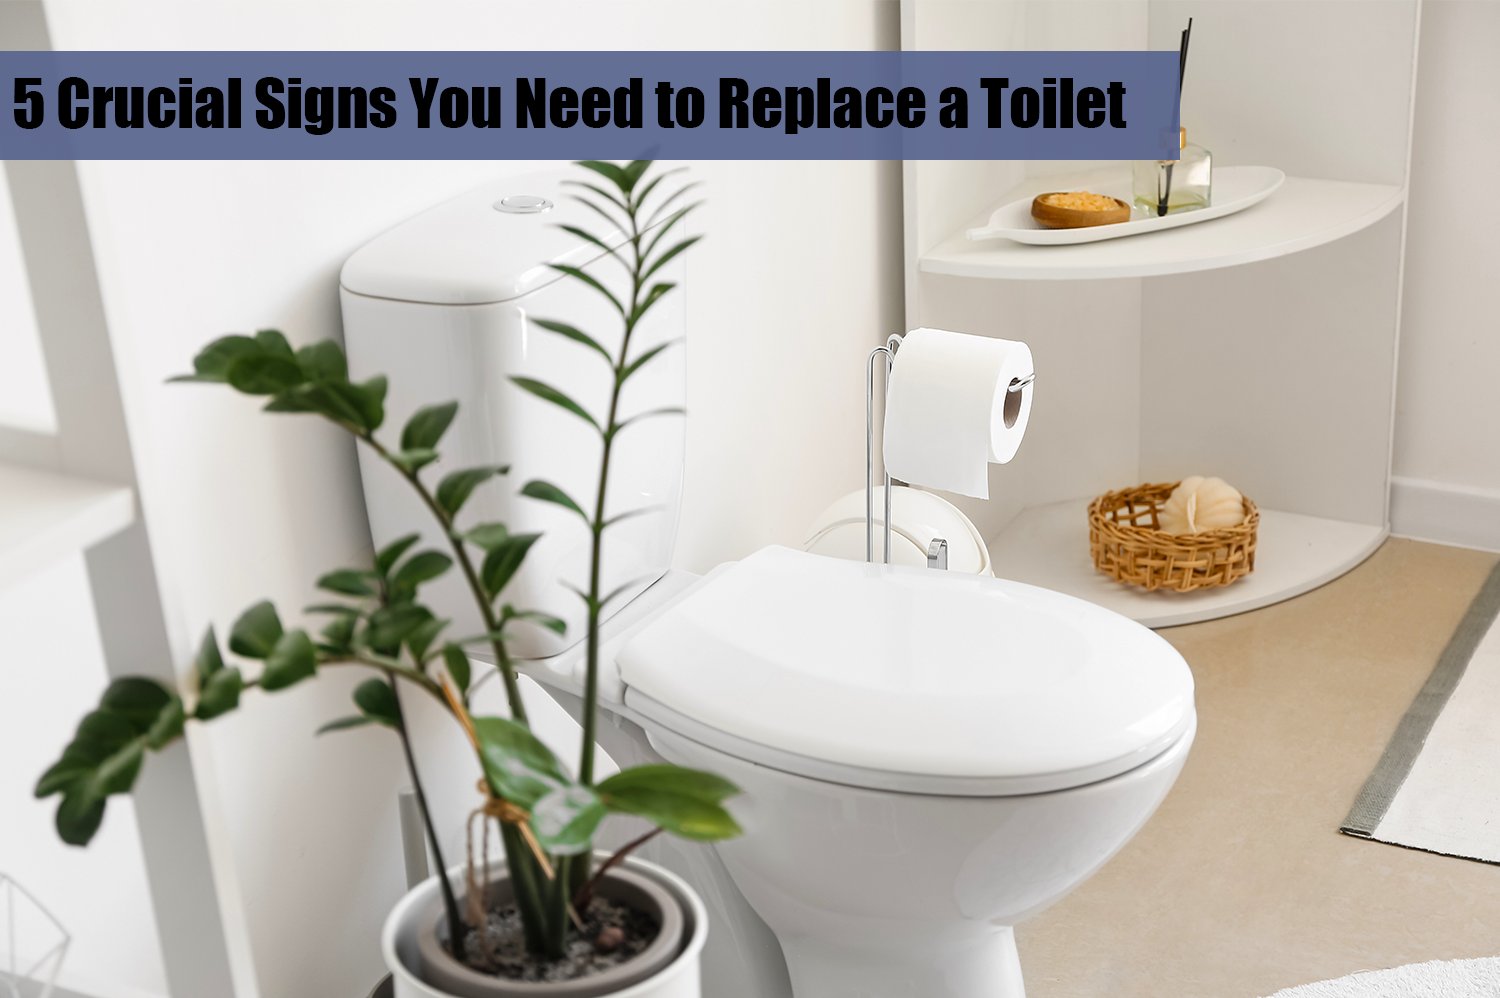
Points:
[906,679]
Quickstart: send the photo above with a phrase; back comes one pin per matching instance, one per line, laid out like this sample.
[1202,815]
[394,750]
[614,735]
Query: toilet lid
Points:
[908,678]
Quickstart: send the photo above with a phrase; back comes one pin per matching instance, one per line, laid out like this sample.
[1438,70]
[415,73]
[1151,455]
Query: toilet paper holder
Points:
[937,552]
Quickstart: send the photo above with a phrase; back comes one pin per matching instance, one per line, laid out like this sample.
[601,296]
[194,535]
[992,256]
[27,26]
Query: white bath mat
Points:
[1438,979]
[1437,787]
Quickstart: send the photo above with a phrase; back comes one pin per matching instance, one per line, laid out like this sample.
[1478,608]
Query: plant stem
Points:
[523,870]
[585,893]
[458,930]
[591,682]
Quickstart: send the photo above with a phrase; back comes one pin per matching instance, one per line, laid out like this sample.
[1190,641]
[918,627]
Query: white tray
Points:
[1235,188]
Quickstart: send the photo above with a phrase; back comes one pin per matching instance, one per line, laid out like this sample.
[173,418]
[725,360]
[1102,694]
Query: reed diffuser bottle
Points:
[1164,186]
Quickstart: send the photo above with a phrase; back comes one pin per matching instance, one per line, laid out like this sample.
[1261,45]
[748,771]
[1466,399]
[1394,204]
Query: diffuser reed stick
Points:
[1187,34]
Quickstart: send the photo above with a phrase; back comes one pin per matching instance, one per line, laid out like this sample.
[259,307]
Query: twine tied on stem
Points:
[503,812]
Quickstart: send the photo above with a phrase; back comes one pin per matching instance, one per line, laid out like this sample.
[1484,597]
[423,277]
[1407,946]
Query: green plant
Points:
[548,817]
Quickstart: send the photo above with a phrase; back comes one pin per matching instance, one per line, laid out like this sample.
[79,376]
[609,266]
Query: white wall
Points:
[51,674]
[1447,448]
[799,276]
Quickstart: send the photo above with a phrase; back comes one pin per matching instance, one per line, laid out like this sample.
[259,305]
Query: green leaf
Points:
[639,197]
[501,564]
[538,617]
[136,699]
[340,633]
[220,694]
[608,171]
[319,397]
[571,332]
[348,582]
[519,767]
[272,342]
[591,282]
[657,290]
[117,774]
[99,735]
[340,609]
[427,426]
[107,750]
[264,373]
[488,535]
[458,666]
[454,490]
[344,723]
[547,492]
[640,361]
[589,237]
[390,626]
[671,410]
[392,552]
[556,397]
[209,661]
[291,661]
[78,818]
[678,779]
[635,171]
[371,400]
[256,632]
[422,637]
[670,222]
[212,362]
[168,725]
[565,820]
[420,568]
[414,460]
[377,701]
[685,802]
[667,256]
[324,361]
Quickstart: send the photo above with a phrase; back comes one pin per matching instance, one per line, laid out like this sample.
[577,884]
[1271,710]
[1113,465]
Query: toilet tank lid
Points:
[912,671]
[467,252]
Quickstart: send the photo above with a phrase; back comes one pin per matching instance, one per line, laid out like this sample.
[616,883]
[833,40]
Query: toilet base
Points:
[981,963]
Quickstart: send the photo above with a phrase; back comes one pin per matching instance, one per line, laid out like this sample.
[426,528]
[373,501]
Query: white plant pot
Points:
[679,979]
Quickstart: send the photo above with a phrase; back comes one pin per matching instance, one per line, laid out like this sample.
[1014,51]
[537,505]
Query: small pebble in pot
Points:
[609,938]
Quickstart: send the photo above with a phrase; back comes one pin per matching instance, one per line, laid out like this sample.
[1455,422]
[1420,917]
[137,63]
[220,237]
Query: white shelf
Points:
[1048,546]
[45,516]
[1302,214]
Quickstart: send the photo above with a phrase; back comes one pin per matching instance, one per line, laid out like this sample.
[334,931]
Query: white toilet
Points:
[928,757]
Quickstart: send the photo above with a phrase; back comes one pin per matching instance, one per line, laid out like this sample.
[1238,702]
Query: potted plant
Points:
[552,910]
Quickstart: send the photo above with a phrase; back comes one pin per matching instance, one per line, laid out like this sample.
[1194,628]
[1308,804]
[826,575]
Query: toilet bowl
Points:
[927,758]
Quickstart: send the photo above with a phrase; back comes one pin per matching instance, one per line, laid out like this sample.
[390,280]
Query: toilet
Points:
[927,757]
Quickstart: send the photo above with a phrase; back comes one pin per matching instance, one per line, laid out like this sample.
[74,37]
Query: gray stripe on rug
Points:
[1411,734]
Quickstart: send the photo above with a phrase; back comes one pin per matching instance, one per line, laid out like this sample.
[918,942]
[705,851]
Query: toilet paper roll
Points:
[948,413]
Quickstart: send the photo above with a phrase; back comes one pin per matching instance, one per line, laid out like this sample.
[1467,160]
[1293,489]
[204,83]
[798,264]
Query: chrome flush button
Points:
[523,204]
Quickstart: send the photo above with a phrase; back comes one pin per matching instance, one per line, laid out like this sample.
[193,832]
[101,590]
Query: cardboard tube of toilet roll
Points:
[946,413]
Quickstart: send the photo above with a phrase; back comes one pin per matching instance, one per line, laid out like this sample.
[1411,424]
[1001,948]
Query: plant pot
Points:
[422,968]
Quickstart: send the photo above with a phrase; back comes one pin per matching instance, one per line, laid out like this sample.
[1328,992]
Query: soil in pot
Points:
[613,934]
[634,928]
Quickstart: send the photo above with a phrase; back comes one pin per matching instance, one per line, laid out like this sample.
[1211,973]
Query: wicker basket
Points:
[1127,546]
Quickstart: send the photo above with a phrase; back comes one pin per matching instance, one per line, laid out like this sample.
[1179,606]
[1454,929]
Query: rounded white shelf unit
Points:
[1048,546]
[1301,214]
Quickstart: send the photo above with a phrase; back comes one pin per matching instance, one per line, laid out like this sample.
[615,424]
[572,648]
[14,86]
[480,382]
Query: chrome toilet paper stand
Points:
[892,343]
[937,551]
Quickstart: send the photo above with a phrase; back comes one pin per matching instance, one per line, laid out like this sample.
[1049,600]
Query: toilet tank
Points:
[442,305]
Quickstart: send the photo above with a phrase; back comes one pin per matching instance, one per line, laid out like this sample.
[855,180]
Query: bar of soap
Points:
[1199,504]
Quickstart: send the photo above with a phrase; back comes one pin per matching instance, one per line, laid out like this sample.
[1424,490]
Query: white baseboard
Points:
[1445,514]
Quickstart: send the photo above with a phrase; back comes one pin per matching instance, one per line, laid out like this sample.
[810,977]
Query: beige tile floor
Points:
[1242,884]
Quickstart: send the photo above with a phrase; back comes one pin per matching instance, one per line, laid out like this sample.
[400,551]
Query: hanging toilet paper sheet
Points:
[948,413]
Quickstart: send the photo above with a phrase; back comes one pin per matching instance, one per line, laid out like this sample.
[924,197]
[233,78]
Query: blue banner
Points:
[604,105]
